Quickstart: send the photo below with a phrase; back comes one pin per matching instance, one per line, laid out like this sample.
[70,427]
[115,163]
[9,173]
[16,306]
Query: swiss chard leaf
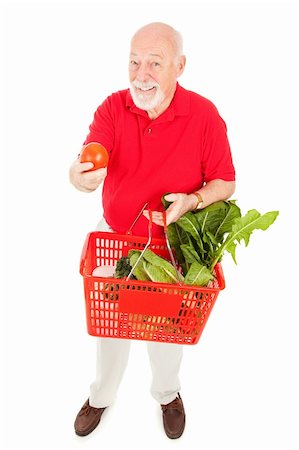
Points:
[189,224]
[138,271]
[201,238]
[211,245]
[156,273]
[190,253]
[218,218]
[232,212]
[242,229]
[177,237]
[161,263]
[198,275]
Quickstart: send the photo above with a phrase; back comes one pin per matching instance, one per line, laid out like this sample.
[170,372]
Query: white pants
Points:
[112,358]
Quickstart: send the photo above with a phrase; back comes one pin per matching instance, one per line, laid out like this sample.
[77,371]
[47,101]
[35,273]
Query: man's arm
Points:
[216,190]
[213,191]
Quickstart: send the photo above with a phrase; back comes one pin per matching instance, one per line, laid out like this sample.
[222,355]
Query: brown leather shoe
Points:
[174,418]
[87,419]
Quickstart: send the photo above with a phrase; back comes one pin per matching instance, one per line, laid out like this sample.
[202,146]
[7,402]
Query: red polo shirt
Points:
[179,151]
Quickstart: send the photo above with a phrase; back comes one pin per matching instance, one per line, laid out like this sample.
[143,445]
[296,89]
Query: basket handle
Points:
[150,226]
[139,214]
[169,248]
[84,253]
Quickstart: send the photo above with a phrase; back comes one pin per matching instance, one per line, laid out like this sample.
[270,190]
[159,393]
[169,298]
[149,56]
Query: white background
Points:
[240,383]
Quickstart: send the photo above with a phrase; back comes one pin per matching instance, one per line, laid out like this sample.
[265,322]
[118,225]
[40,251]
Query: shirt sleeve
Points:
[102,127]
[217,160]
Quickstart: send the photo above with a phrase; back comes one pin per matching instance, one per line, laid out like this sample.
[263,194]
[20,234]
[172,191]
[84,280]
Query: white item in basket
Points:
[104,271]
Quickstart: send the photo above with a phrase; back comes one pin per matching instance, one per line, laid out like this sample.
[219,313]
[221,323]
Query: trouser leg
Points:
[112,358]
[165,360]
[111,361]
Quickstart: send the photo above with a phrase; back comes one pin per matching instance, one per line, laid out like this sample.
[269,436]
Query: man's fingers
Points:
[85,167]
[82,167]
[100,172]
[179,206]
[157,217]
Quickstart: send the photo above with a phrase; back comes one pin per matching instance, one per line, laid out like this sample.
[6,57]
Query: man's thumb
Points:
[171,197]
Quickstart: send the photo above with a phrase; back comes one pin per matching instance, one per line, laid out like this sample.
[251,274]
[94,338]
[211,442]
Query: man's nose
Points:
[143,72]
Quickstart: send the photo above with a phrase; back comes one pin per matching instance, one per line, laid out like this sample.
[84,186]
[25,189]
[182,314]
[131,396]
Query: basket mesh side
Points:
[141,310]
[110,315]
[108,251]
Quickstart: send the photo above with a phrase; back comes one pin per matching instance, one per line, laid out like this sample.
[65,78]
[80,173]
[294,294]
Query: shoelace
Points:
[86,410]
[175,404]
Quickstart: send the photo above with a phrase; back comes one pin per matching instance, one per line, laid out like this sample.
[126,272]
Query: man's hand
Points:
[211,192]
[82,179]
[181,203]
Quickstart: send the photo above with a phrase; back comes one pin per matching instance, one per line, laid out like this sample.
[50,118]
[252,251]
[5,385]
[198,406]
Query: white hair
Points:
[178,40]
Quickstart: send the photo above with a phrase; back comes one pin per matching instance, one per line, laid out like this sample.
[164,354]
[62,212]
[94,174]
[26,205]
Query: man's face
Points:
[153,71]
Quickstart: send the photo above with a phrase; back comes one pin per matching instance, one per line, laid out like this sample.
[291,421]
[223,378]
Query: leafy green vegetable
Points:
[201,238]
[178,237]
[241,229]
[218,218]
[156,273]
[123,268]
[162,263]
[198,275]
[139,271]
[152,267]
[189,253]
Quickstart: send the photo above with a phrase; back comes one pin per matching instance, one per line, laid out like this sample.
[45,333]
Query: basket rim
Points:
[151,284]
[158,284]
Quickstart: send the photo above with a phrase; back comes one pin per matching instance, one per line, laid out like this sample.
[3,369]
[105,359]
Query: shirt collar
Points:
[179,106]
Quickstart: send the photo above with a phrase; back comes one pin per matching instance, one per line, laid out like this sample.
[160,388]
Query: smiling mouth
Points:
[146,89]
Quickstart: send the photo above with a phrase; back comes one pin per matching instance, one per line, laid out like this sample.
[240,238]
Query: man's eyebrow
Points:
[156,55]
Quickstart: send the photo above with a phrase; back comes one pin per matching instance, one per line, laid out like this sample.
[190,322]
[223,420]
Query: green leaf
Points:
[177,237]
[189,224]
[242,229]
[218,218]
[211,245]
[123,268]
[189,253]
[157,274]
[233,212]
[203,237]
[139,271]
[209,237]
[162,263]
[198,275]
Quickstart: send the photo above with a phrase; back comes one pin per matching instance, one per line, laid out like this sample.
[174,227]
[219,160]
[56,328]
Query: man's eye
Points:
[133,63]
[156,64]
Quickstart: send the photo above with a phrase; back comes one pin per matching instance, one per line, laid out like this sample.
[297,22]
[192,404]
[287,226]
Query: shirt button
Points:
[149,131]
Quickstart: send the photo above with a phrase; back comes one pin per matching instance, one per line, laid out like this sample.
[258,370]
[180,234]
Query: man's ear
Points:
[181,65]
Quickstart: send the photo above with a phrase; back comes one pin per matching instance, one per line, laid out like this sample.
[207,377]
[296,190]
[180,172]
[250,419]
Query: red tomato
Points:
[95,153]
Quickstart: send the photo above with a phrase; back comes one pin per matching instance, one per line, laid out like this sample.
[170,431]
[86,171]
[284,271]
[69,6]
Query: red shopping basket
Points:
[132,309]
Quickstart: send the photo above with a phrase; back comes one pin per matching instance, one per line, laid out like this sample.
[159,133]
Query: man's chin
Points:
[145,106]
[144,103]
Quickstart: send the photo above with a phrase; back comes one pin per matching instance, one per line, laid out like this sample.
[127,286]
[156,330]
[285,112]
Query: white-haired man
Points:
[161,138]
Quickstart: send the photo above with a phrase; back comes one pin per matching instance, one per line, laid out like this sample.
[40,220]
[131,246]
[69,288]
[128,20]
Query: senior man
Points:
[161,138]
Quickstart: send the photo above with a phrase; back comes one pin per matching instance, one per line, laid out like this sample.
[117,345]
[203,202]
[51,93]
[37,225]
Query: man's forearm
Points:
[215,191]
